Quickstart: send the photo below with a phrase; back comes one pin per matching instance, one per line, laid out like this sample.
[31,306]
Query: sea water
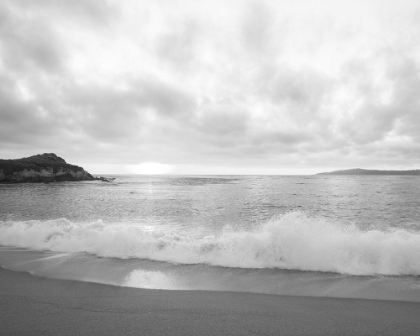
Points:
[337,236]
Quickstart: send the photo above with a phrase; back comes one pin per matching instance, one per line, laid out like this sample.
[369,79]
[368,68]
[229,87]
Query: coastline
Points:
[33,305]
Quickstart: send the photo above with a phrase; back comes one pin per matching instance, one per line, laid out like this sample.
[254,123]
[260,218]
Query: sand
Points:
[39,306]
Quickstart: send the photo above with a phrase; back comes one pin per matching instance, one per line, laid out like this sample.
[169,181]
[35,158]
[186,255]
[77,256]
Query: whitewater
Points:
[292,241]
[308,235]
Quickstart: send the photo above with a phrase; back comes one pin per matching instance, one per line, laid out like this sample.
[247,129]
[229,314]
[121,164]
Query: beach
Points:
[42,306]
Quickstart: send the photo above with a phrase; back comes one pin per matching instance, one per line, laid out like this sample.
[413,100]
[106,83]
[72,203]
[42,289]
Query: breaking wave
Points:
[292,241]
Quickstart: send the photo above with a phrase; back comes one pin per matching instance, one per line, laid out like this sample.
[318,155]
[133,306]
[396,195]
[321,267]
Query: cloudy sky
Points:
[212,87]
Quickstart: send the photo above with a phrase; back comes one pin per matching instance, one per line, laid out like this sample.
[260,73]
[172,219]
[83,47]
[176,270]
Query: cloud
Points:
[222,83]
[21,122]
[256,28]
[26,43]
[176,45]
[87,10]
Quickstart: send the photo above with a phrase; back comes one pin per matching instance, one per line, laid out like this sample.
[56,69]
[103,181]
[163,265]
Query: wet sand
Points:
[32,305]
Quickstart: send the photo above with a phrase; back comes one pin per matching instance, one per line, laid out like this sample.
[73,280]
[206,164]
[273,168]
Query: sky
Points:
[212,87]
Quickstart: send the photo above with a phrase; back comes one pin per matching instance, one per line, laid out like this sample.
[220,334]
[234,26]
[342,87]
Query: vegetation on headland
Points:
[359,171]
[46,167]
[36,163]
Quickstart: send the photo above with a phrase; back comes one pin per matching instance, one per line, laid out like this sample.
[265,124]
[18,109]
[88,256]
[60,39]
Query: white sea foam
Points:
[291,241]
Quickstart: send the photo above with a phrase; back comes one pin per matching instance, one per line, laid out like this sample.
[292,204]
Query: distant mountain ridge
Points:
[359,171]
[46,167]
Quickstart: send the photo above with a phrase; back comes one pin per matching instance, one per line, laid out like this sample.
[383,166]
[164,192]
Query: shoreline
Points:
[32,305]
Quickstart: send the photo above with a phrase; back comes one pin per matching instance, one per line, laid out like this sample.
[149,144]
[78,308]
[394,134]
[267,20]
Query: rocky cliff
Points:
[46,167]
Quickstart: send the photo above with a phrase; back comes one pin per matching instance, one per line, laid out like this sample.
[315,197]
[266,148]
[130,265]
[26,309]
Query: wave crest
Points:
[291,241]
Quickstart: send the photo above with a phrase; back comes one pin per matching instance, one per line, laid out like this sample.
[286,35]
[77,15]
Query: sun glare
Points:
[150,168]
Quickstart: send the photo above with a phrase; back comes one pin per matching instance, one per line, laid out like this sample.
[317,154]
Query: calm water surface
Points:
[212,202]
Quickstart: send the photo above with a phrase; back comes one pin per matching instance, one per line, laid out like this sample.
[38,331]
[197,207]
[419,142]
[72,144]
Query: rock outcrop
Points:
[46,167]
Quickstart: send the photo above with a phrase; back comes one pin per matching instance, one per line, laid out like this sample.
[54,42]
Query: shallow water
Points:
[344,236]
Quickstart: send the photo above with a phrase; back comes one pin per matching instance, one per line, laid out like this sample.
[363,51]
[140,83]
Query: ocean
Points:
[331,236]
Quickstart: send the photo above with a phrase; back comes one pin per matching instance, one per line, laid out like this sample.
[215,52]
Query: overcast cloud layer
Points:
[212,86]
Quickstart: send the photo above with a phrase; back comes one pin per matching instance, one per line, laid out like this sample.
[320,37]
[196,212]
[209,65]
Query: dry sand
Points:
[39,306]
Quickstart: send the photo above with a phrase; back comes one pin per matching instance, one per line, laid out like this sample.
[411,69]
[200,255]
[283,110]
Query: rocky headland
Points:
[46,167]
[359,171]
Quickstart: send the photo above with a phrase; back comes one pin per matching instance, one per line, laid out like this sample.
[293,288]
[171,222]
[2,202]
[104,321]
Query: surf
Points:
[291,241]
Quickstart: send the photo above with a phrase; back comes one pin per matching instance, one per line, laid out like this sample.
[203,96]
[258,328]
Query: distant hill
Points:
[46,167]
[359,171]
